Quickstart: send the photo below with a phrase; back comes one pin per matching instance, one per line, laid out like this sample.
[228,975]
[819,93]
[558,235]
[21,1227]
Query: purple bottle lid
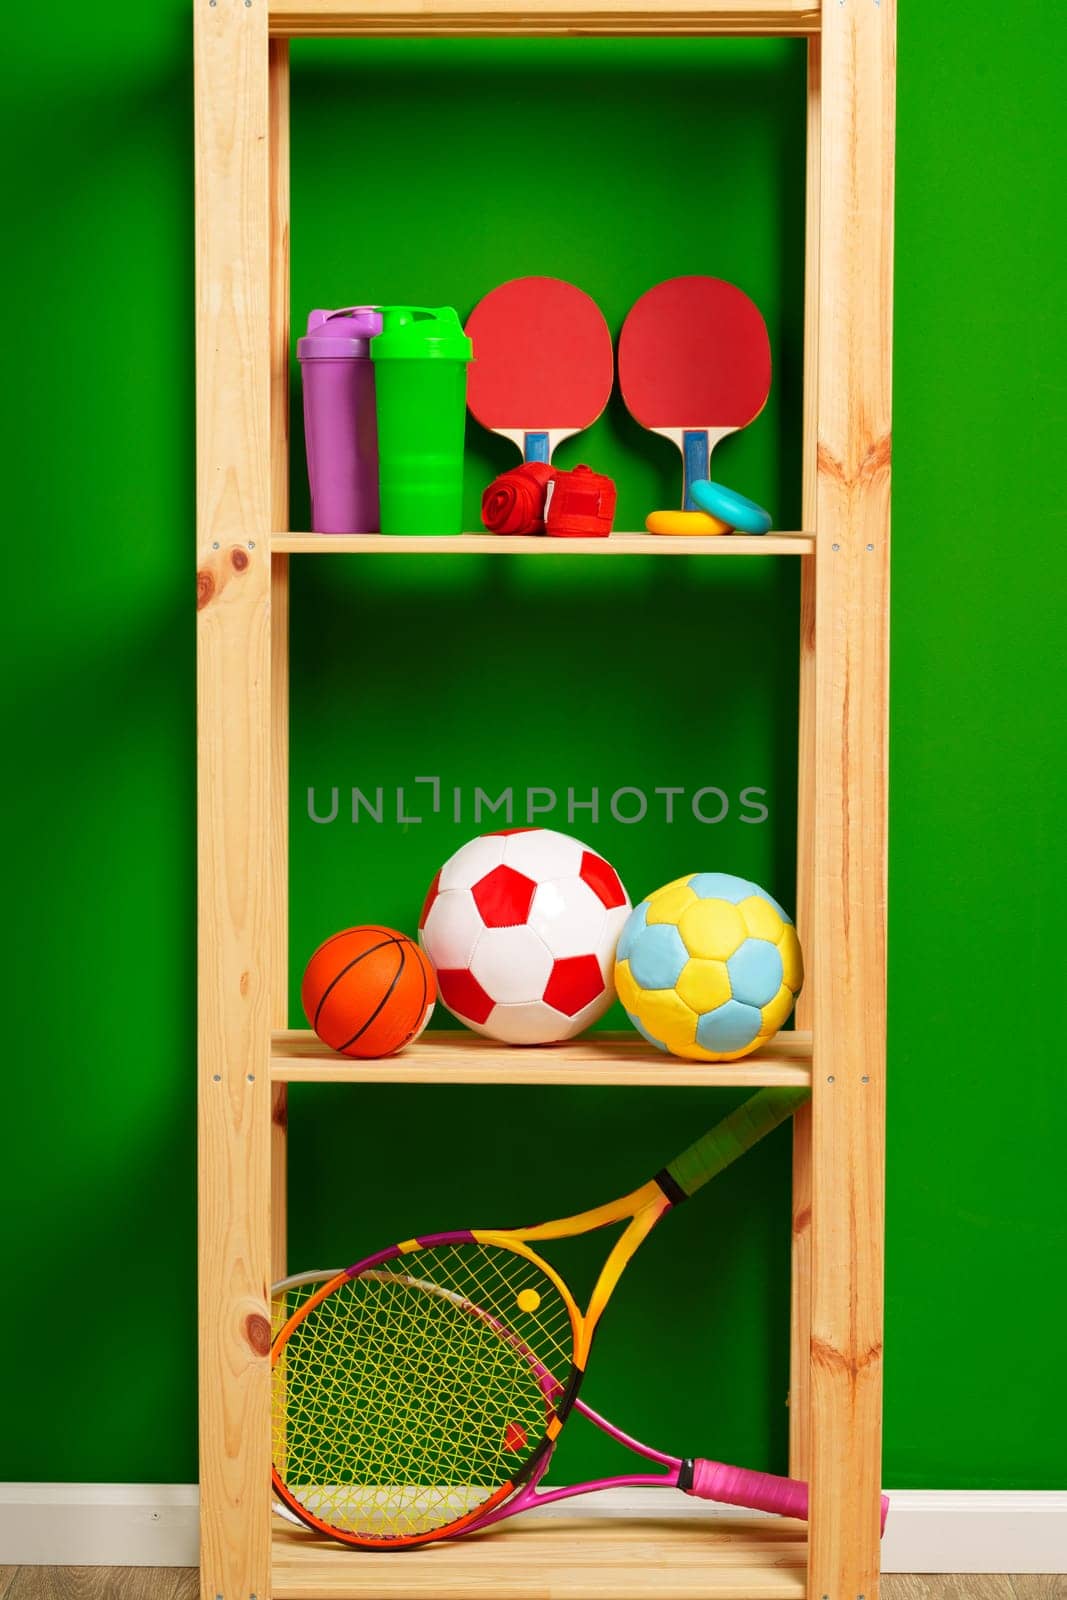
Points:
[339,335]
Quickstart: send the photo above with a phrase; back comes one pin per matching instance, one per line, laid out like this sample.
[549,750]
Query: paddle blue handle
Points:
[696,457]
[535,448]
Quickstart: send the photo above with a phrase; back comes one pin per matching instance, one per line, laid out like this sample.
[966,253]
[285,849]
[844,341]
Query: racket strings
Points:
[416,1390]
[395,1416]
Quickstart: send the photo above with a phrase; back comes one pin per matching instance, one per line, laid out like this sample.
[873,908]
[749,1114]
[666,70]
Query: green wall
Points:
[429,174]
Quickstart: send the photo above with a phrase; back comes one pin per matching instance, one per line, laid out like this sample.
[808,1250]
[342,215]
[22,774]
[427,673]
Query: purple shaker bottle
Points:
[340,424]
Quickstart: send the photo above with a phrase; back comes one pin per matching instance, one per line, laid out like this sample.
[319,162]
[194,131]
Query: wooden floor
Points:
[179,1583]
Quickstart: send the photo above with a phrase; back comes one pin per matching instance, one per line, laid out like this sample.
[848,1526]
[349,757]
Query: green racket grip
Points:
[734,1135]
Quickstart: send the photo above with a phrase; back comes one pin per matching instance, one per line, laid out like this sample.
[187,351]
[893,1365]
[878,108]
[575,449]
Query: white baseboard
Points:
[976,1530]
[155,1525]
[99,1525]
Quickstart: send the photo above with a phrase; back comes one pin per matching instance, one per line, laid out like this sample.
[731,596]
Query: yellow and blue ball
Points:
[709,967]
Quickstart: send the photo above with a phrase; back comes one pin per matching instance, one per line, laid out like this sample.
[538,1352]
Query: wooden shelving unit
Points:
[247,1058]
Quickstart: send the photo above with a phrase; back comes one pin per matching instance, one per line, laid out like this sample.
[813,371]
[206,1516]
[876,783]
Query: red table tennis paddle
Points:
[694,365]
[543,363]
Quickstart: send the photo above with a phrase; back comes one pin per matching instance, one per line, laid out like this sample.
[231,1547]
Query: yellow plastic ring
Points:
[695,523]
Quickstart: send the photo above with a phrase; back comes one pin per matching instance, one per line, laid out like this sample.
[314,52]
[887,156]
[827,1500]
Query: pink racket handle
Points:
[756,1491]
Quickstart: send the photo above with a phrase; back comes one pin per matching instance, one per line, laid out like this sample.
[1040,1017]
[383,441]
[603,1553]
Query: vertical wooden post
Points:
[279,611]
[800,1328]
[800,1321]
[847,938]
[233,687]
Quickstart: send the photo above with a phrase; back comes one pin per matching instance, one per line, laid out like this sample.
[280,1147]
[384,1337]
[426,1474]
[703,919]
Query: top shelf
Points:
[601,1059]
[541,18]
[617,544]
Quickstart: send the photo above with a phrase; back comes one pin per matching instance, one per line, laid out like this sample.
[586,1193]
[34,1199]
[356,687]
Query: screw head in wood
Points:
[217,1078]
[835,547]
[830,1079]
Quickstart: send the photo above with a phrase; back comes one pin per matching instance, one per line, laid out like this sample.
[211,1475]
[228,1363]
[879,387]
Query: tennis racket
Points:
[419,1393]
[543,363]
[694,365]
[709,1480]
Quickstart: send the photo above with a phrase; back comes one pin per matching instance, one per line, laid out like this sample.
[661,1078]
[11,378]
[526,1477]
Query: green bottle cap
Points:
[419,333]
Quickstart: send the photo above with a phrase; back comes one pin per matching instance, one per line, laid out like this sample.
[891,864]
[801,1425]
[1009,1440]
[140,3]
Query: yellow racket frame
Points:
[642,1207]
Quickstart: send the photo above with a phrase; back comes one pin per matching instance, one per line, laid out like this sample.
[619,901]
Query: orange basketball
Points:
[368,991]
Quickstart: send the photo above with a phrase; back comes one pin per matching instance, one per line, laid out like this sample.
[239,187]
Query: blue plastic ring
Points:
[729,506]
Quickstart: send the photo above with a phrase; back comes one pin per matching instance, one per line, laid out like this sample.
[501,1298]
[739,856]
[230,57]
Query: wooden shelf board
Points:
[487,544]
[572,1557]
[298,1056]
[530,18]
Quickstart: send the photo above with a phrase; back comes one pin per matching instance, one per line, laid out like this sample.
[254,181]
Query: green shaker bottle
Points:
[420,376]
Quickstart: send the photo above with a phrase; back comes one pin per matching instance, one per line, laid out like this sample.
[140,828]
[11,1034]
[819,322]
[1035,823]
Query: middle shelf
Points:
[298,1056]
[616,544]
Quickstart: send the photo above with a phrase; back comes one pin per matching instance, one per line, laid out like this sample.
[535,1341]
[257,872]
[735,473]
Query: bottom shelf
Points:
[684,1555]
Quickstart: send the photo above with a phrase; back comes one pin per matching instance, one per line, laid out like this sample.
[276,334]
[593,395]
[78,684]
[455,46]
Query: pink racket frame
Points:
[707,1480]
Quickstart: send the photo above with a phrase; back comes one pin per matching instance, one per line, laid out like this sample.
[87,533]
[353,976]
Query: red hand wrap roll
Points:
[581,505]
[515,502]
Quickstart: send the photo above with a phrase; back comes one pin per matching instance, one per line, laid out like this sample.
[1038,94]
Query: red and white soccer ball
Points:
[521,927]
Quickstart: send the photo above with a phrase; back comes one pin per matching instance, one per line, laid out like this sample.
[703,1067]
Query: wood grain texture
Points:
[486,18]
[800,1300]
[181,1583]
[278,112]
[847,935]
[806,752]
[489,544]
[298,1056]
[279,616]
[103,1583]
[234,483]
[972,1586]
[559,1558]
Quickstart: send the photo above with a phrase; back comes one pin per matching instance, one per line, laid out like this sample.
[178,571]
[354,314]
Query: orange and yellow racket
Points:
[422,1388]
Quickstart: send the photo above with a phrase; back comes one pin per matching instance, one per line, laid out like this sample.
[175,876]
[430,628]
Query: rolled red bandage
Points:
[581,505]
[515,502]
